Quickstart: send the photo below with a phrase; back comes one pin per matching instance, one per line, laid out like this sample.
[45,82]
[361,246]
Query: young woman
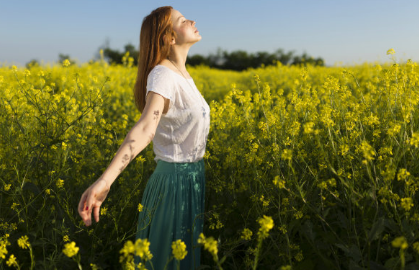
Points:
[175,117]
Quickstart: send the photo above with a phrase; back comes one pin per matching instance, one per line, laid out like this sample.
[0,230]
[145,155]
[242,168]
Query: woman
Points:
[176,117]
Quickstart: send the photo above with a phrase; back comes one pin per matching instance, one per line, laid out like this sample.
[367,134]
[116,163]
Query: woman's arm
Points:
[137,138]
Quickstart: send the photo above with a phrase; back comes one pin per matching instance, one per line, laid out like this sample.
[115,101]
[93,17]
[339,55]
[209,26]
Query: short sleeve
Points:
[160,81]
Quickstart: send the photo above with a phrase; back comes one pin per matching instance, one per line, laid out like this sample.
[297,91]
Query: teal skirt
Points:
[173,208]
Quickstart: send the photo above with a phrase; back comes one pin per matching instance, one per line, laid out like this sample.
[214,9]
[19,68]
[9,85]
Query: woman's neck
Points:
[178,56]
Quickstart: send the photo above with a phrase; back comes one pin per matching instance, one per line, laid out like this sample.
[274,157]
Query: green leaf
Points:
[376,230]
[392,264]
[307,229]
[31,187]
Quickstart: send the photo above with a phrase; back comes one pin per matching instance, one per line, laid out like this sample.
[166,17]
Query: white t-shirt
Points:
[182,132]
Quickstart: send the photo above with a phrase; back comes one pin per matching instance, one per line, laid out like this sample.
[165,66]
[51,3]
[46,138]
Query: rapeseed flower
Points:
[400,242]
[279,183]
[367,151]
[140,207]
[23,242]
[70,249]
[3,248]
[7,187]
[66,63]
[246,234]
[266,224]
[391,51]
[210,244]
[142,249]
[128,248]
[59,183]
[179,249]
[416,247]
[286,154]
[12,261]
[415,140]
[407,203]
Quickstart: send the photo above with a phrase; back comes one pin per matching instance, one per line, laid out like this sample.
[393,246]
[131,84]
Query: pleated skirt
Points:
[173,208]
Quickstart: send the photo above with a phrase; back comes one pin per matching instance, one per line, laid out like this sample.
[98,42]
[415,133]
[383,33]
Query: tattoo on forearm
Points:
[126,159]
[156,114]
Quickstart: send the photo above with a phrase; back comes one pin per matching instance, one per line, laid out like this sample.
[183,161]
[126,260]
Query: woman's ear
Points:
[172,42]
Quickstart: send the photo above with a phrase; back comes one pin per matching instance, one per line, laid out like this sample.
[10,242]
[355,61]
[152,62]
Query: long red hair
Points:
[155,36]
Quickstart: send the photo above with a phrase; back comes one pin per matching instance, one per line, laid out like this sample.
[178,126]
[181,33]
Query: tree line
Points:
[236,60]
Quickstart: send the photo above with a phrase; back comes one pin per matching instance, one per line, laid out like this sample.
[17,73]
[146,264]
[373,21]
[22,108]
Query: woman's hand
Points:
[91,200]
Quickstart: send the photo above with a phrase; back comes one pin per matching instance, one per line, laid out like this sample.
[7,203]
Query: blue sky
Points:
[346,32]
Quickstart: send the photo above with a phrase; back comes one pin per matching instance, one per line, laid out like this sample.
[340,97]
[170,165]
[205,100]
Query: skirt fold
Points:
[173,208]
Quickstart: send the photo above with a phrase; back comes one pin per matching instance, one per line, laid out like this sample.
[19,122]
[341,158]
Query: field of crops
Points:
[306,167]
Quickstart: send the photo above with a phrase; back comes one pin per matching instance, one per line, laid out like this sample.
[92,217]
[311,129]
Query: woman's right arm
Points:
[135,141]
[137,138]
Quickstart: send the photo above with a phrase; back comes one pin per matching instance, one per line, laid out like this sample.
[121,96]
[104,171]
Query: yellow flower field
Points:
[307,167]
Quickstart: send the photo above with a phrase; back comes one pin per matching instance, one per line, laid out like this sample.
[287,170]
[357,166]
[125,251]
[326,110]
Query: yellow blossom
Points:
[128,248]
[179,249]
[142,249]
[287,154]
[279,183]
[7,187]
[298,215]
[12,261]
[416,247]
[70,249]
[103,211]
[415,140]
[299,257]
[14,206]
[407,203]
[391,51]
[400,242]
[66,63]
[210,244]
[66,238]
[59,183]
[23,242]
[266,224]
[246,234]
[367,150]
[3,248]
[140,207]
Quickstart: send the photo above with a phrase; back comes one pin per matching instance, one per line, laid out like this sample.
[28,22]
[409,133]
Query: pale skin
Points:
[143,131]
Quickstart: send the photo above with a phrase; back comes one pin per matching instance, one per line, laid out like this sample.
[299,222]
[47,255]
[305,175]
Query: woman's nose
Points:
[193,22]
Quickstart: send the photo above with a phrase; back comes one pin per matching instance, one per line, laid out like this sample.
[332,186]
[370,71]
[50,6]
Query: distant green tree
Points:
[32,63]
[113,56]
[241,60]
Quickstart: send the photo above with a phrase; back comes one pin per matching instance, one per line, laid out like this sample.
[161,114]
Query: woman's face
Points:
[185,29]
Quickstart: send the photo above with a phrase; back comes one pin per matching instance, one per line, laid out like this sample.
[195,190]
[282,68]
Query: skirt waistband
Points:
[182,167]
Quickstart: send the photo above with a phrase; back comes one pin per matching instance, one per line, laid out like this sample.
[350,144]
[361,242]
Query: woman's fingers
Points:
[91,201]
[84,214]
[81,203]
[96,213]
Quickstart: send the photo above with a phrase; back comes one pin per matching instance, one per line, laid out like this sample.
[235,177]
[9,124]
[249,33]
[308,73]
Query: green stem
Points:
[257,253]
